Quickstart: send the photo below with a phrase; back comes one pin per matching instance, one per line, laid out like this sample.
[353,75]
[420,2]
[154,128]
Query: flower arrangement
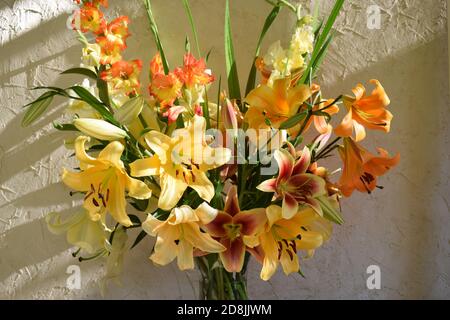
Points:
[215,181]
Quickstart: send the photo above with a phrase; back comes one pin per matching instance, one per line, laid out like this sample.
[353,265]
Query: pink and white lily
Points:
[293,184]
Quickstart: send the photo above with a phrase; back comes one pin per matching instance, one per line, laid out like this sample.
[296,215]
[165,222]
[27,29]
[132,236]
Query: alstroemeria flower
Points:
[275,105]
[90,18]
[231,226]
[293,184]
[164,87]
[180,234]
[283,238]
[124,76]
[361,168]
[193,72]
[365,111]
[104,180]
[181,161]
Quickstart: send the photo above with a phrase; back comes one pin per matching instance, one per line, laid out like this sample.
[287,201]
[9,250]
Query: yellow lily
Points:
[104,180]
[81,231]
[274,105]
[181,161]
[282,239]
[180,234]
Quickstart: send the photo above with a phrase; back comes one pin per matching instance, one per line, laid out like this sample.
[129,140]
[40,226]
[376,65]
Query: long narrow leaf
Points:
[37,108]
[322,38]
[293,121]
[192,23]
[83,71]
[154,29]
[90,99]
[232,74]
[267,24]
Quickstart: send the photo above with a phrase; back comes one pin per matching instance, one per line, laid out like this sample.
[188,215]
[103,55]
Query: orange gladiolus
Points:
[90,18]
[124,75]
[193,72]
[365,111]
[361,168]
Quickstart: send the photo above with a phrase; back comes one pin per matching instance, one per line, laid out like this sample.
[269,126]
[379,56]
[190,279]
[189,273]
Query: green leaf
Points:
[154,29]
[102,87]
[321,40]
[139,238]
[90,99]
[180,121]
[192,23]
[37,108]
[83,71]
[329,212]
[293,121]
[267,24]
[130,110]
[232,74]
[64,127]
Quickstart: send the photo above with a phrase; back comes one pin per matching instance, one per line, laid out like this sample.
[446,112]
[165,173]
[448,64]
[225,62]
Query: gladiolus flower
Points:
[193,72]
[283,238]
[181,162]
[90,18]
[124,76]
[361,168]
[231,226]
[111,48]
[104,180]
[165,88]
[365,111]
[180,234]
[293,184]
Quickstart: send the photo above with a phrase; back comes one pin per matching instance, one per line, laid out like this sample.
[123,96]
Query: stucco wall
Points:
[404,228]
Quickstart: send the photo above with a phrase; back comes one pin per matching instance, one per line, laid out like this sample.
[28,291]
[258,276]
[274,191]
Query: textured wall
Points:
[403,228]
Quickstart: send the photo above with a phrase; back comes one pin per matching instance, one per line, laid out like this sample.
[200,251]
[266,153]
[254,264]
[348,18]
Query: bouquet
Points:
[215,178]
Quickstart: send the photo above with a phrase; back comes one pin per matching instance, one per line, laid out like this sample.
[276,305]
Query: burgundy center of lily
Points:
[98,196]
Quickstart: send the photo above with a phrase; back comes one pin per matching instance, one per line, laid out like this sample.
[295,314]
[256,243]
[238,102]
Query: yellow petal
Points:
[138,189]
[117,203]
[202,185]
[185,255]
[172,190]
[87,234]
[165,248]
[159,143]
[112,153]
[206,213]
[200,240]
[183,214]
[151,225]
[145,167]
[80,181]
[80,151]
[270,262]
[289,265]
[274,213]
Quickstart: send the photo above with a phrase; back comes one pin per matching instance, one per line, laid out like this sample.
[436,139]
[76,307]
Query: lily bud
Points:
[230,116]
[99,129]
[130,110]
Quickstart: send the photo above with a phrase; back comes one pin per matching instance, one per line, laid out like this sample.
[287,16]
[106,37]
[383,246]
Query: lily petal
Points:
[165,250]
[290,206]
[146,167]
[303,163]
[216,227]
[202,185]
[185,255]
[285,164]
[117,203]
[233,257]
[112,153]
[206,213]
[270,262]
[172,190]
[252,221]
[232,202]
[268,186]
[137,189]
[200,240]
[289,263]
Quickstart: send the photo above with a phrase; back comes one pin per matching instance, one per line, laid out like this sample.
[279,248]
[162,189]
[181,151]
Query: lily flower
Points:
[274,104]
[181,161]
[194,72]
[124,76]
[293,184]
[165,88]
[361,168]
[365,111]
[99,129]
[80,230]
[231,226]
[283,238]
[180,234]
[104,180]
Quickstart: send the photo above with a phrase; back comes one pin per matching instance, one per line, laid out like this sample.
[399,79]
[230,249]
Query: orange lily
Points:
[365,111]
[231,226]
[361,168]
[274,105]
